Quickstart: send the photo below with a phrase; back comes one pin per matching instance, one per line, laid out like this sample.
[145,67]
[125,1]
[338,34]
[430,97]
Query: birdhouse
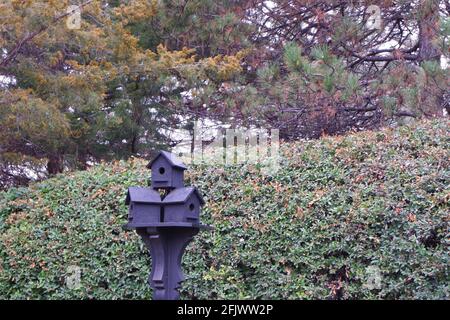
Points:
[183,205]
[166,224]
[167,171]
[144,207]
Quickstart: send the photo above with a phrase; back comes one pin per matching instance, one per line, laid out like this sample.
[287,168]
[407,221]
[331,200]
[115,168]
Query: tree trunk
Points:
[134,141]
[82,160]
[429,31]
[54,165]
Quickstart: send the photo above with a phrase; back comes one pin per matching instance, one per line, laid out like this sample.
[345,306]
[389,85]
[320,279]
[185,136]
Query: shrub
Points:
[363,216]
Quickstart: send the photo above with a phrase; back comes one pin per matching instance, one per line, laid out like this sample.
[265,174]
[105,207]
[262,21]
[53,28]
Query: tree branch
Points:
[14,52]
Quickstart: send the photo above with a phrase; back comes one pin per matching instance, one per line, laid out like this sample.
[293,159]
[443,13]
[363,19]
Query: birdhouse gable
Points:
[142,195]
[167,171]
[182,195]
[171,159]
[144,207]
[182,205]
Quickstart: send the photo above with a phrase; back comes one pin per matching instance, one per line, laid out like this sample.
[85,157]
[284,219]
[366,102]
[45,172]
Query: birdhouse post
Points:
[166,223]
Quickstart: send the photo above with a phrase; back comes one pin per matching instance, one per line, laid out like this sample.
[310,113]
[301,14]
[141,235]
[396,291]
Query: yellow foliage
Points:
[223,68]
[21,4]
[56,58]
[137,10]
[32,117]
[170,59]
[125,45]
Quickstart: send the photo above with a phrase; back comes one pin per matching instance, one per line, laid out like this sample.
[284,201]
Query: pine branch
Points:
[14,52]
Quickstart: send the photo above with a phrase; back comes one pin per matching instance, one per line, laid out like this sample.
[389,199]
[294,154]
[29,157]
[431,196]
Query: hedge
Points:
[362,216]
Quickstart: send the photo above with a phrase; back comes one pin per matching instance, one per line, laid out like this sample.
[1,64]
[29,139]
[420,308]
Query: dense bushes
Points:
[359,216]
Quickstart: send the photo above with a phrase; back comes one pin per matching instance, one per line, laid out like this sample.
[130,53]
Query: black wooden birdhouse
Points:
[144,207]
[183,205]
[166,225]
[167,171]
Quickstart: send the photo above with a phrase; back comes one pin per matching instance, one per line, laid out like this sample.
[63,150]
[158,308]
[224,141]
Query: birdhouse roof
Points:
[142,195]
[171,158]
[181,195]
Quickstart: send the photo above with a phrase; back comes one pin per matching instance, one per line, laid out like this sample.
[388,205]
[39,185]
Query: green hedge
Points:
[339,212]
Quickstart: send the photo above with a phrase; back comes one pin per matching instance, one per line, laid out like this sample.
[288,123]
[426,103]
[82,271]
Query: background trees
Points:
[107,90]
[333,66]
[137,70]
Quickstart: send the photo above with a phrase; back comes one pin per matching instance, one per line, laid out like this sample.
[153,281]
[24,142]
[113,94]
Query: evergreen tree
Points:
[333,66]
[103,90]
[134,71]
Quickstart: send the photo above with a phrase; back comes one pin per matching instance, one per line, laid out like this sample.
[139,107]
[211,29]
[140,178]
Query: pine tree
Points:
[326,67]
[106,89]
